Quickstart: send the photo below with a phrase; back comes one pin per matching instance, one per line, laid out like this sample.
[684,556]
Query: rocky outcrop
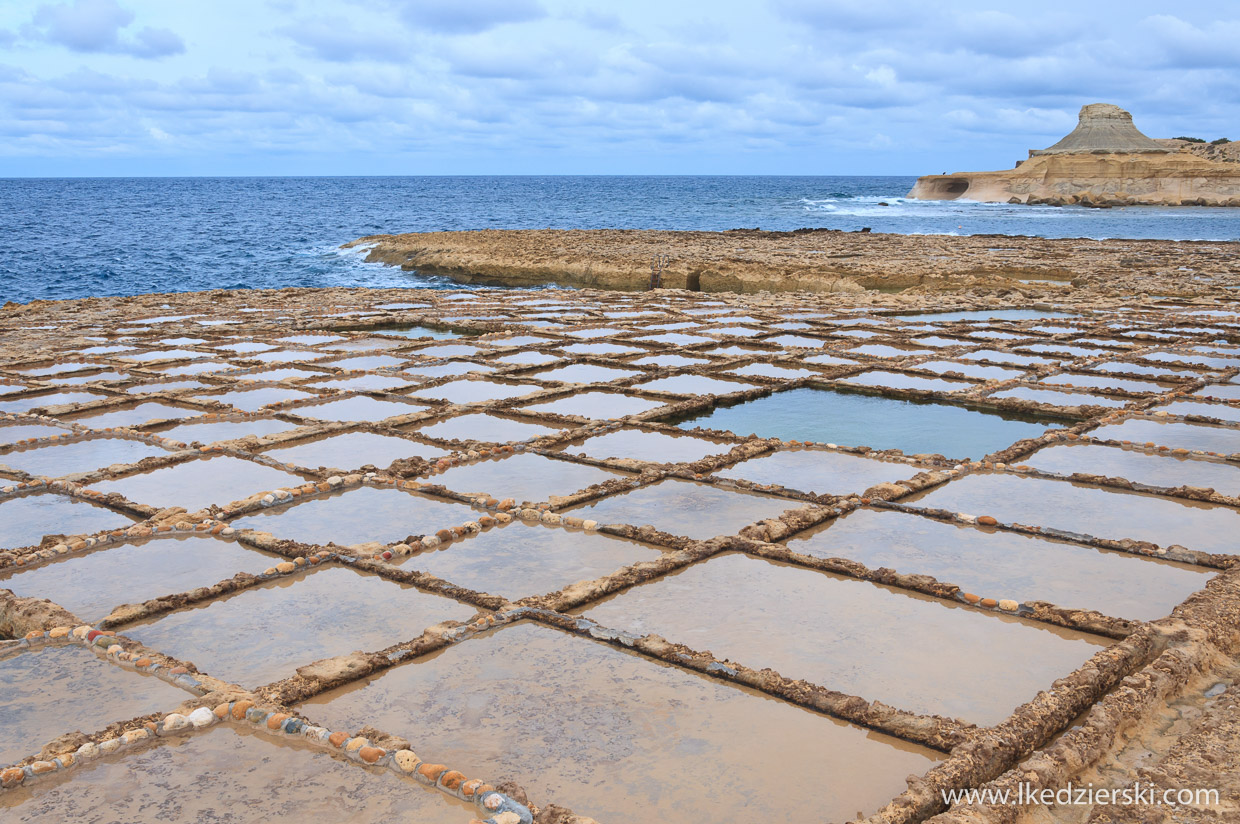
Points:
[1104,129]
[806,260]
[1106,161]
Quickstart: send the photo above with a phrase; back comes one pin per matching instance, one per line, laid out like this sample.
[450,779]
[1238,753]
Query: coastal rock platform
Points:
[810,260]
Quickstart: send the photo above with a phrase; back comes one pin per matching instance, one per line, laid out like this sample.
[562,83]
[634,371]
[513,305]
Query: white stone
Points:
[202,717]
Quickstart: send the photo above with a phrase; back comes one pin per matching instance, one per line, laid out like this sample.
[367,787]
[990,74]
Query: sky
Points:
[412,87]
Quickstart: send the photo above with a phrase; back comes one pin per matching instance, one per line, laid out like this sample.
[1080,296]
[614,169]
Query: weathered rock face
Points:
[1106,129]
[1105,161]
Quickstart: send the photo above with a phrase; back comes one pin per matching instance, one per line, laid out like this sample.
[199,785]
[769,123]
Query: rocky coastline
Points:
[812,260]
[1105,162]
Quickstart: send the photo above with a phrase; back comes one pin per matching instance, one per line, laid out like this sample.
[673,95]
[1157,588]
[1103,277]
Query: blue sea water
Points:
[81,237]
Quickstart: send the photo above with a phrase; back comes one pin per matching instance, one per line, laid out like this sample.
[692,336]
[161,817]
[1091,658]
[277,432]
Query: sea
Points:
[83,237]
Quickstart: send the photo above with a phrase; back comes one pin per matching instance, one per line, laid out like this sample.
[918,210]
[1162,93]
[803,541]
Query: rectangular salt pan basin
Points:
[972,370]
[91,585]
[22,405]
[521,560]
[358,516]
[364,383]
[20,432]
[486,428]
[201,482]
[466,391]
[633,740]
[132,415]
[913,652]
[768,370]
[353,451]
[824,473]
[359,408]
[206,433]
[263,634]
[600,405]
[854,419]
[1204,437]
[652,447]
[1139,467]
[25,520]
[524,477]
[366,362]
[1057,398]
[695,385]
[251,400]
[243,776]
[1106,382]
[583,373]
[1221,411]
[695,510]
[55,460]
[52,690]
[997,564]
[1088,510]
[899,380]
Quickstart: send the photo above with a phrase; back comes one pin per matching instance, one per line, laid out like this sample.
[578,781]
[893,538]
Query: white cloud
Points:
[468,16]
[791,85]
[98,26]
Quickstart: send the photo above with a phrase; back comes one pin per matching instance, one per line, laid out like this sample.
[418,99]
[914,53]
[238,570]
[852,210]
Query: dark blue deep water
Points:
[70,238]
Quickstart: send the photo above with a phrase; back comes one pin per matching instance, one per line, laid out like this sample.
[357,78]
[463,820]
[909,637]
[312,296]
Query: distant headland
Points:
[1105,161]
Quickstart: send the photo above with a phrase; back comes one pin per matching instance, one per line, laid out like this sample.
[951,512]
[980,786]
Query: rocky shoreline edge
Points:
[809,260]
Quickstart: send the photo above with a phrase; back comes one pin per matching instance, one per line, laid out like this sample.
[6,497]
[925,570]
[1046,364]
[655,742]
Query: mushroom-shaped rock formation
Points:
[1105,161]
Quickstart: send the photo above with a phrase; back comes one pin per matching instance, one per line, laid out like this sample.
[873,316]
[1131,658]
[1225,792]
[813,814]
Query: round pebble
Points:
[202,717]
[175,722]
[406,760]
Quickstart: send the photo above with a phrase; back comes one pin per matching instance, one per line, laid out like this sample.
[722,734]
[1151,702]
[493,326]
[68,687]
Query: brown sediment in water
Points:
[960,564]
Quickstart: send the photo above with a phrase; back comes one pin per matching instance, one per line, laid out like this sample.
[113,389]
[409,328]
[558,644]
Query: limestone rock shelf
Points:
[822,261]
